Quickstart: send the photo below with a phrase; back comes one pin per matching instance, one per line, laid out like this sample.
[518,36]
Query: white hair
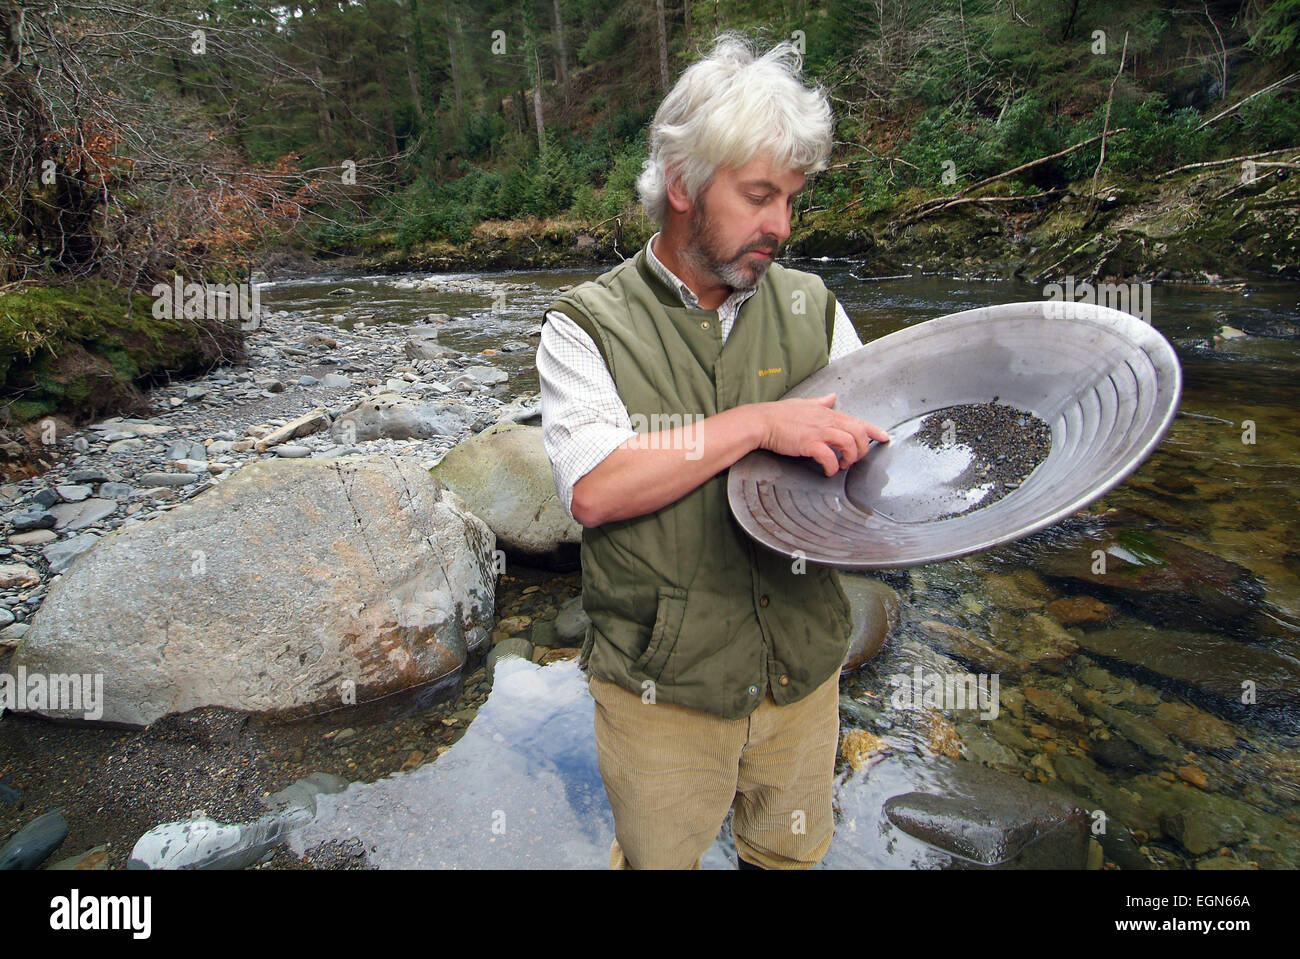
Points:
[727,109]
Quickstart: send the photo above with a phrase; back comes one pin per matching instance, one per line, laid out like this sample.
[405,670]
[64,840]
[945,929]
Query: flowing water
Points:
[1163,691]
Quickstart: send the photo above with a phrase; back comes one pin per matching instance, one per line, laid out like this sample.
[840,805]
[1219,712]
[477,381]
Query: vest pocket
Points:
[669,613]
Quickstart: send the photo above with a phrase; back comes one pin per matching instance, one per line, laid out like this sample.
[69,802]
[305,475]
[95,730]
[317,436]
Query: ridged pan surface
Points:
[1105,382]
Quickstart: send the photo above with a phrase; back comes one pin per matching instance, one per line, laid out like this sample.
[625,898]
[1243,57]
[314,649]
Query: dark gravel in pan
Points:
[1008,444]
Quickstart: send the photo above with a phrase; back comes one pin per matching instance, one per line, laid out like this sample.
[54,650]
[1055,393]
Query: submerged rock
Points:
[876,609]
[1216,668]
[35,842]
[994,819]
[1158,576]
[202,843]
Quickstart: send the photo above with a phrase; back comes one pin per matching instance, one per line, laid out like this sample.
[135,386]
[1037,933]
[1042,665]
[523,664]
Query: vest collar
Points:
[662,291]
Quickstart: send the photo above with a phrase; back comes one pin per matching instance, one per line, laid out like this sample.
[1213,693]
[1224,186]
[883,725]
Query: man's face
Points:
[740,221]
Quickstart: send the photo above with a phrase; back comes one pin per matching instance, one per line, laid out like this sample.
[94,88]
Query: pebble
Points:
[167,479]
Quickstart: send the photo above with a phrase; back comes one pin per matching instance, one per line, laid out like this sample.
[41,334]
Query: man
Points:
[714,662]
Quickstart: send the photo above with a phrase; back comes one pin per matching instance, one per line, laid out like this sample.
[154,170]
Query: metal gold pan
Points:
[1106,383]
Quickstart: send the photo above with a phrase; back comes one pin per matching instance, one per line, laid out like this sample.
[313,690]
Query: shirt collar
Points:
[685,292]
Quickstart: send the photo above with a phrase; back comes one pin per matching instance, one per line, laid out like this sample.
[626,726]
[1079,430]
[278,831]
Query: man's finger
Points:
[876,433]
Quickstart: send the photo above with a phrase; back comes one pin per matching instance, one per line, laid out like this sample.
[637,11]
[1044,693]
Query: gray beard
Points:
[707,260]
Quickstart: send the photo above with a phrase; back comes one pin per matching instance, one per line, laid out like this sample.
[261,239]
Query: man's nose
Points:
[777,223]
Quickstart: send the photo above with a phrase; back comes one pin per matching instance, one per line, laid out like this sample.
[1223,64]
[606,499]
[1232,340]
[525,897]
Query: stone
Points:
[168,479]
[17,576]
[991,818]
[290,451]
[966,646]
[876,610]
[1206,663]
[313,572]
[1195,727]
[1157,575]
[1136,729]
[1053,706]
[61,554]
[1199,833]
[390,416]
[505,477]
[427,347]
[1009,591]
[515,646]
[335,381]
[310,422]
[1037,639]
[42,519]
[1116,753]
[73,493]
[34,842]
[512,625]
[90,860]
[1073,610]
[571,623]
[35,537]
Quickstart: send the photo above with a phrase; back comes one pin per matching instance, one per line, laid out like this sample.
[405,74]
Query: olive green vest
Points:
[682,598]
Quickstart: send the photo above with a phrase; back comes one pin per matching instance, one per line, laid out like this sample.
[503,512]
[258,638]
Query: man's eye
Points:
[760,200]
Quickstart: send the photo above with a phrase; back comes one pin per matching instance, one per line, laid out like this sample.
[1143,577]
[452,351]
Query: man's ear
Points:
[677,197]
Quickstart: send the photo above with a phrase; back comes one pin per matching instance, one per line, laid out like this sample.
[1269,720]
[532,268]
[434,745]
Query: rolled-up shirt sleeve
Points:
[583,417]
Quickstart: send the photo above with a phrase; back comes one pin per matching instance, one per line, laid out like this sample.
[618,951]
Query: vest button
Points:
[704,324]
[784,680]
[753,690]
[763,600]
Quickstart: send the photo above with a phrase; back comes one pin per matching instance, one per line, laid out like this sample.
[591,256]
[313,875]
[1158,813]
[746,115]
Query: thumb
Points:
[827,400]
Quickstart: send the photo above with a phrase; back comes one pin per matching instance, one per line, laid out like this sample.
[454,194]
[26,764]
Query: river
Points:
[1194,654]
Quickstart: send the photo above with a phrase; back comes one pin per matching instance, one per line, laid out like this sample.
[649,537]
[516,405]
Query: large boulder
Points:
[504,476]
[294,587]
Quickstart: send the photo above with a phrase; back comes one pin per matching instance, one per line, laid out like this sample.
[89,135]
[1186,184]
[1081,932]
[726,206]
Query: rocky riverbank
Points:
[1200,226]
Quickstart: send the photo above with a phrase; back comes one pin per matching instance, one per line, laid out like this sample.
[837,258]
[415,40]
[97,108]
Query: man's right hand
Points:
[810,427]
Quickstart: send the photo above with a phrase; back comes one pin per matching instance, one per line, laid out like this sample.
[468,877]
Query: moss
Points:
[86,350]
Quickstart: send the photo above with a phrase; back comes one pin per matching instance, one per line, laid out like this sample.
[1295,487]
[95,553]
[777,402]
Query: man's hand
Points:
[809,427]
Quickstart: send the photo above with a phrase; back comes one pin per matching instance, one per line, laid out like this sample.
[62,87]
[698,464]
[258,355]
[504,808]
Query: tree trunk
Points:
[415,84]
[663,45]
[561,55]
[537,102]
[455,67]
